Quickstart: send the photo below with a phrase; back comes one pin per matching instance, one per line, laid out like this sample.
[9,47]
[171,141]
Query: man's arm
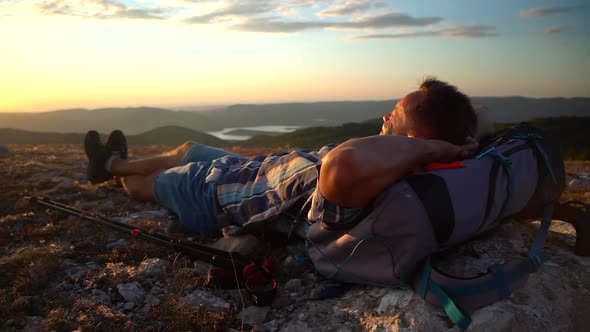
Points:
[359,169]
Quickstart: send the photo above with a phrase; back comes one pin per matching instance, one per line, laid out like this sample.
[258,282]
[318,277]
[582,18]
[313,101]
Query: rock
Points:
[33,323]
[74,270]
[579,181]
[310,279]
[394,299]
[151,300]
[280,301]
[64,183]
[204,299]
[253,315]
[244,244]
[129,306]
[4,152]
[153,267]
[120,243]
[272,326]
[101,297]
[156,214]
[293,284]
[131,292]
[296,326]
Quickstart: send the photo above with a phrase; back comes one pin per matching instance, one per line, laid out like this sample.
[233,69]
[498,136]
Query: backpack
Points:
[519,173]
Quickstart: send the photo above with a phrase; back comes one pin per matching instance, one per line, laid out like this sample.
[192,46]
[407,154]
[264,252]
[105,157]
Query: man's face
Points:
[396,121]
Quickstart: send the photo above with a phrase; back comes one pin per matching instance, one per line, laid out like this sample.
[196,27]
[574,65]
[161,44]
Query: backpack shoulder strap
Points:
[456,294]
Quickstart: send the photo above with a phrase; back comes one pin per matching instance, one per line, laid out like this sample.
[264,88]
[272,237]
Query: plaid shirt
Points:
[261,188]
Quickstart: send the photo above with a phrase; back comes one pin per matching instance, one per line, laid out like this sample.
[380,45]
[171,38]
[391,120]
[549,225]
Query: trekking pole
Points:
[213,256]
[232,268]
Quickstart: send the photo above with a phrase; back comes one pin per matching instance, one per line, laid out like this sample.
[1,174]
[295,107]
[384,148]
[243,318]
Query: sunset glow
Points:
[114,53]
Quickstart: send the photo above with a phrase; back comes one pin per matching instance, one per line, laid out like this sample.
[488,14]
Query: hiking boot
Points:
[117,144]
[97,155]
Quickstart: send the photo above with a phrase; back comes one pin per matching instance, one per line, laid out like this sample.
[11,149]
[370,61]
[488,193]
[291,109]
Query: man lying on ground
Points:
[209,188]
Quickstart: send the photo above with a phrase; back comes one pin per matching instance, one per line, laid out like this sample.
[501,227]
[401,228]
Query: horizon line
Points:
[203,107]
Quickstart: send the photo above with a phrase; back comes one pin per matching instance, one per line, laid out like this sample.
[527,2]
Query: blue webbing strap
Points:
[506,163]
[501,282]
[536,252]
[501,279]
[455,313]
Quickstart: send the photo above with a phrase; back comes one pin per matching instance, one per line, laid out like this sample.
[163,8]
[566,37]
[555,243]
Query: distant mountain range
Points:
[168,135]
[570,132]
[138,120]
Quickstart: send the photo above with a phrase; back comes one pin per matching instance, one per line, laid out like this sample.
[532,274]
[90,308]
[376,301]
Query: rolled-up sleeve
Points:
[324,211]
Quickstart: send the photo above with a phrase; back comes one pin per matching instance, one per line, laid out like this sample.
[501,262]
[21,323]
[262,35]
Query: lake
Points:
[244,133]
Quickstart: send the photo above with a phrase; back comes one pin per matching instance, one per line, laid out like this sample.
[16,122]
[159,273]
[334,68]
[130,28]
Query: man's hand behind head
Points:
[446,152]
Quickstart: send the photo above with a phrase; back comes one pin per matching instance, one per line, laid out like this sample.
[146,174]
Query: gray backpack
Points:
[520,172]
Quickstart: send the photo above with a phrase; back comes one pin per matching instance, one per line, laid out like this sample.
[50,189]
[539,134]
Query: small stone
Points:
[64,183]
[152,300]
[271,326]
[310,279]
[116,244]
[131,292]
[578,183]
[280,301]
[129,306]
[293,284]
[101,296]
[153,267]
[204,299]
[75,270]
[4,152]
[33,323]
[396,299]
[253,315]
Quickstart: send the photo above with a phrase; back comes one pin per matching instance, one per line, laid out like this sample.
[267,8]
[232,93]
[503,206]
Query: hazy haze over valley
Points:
[141,119]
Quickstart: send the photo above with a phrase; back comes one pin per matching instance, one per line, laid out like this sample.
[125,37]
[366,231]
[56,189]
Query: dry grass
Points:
[34,243]
[86,315]
[178,317]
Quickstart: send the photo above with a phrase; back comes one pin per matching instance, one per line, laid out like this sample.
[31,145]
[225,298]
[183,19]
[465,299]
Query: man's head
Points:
[436,111]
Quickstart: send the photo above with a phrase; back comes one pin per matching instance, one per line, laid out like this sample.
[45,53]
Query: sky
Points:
[62,54]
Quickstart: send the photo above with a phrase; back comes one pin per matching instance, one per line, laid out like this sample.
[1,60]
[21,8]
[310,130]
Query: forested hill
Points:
[571,133]
[136,120]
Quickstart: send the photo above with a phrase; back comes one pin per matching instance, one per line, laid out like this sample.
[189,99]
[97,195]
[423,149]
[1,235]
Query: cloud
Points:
[347,8]
[99,9]
[556,29]
[461,31]
[545,11]
[241,8]
[391,19]
[274,24]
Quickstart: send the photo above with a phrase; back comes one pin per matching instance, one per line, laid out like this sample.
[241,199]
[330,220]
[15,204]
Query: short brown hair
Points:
[446,112]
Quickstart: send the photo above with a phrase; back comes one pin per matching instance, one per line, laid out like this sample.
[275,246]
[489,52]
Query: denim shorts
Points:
[185,190]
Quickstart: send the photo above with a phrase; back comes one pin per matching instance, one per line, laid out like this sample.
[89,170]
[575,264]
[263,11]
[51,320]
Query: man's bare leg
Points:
[140,187]
[147,166]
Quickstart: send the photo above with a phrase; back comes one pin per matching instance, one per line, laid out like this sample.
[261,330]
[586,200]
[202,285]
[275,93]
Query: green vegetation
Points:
[570,133]
[316,137]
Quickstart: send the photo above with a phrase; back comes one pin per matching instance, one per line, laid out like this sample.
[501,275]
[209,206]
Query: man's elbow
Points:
[338,175]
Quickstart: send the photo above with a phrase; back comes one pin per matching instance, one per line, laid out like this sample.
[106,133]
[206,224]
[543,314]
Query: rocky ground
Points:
[62,273]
